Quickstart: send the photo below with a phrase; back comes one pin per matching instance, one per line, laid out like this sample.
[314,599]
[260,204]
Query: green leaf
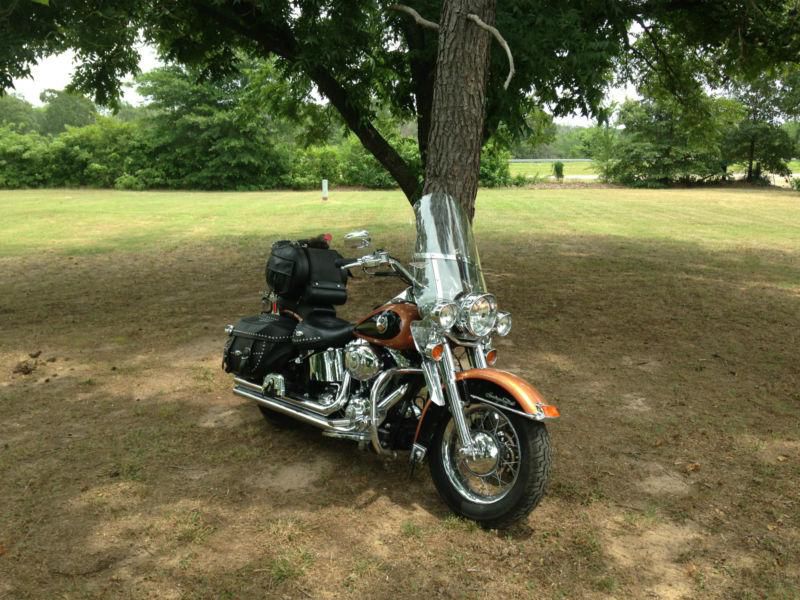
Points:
[44,2]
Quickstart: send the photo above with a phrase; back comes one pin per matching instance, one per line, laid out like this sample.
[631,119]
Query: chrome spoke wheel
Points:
[488,474]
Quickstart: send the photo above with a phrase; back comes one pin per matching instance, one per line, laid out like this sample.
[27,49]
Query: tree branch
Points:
[366,132]
[280,40]
[422,22]
[500,40]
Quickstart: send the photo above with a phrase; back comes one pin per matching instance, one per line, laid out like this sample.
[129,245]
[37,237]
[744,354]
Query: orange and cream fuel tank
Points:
[389,326]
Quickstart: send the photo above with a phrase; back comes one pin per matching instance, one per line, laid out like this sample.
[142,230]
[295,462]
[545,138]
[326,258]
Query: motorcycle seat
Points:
[322,330]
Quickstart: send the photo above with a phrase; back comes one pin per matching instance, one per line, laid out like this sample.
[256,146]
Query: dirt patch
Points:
[635,402]
[221,416]
[662,481]
[294,477]
[653,554]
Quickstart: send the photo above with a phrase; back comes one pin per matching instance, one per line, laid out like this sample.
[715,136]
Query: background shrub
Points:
[558,170]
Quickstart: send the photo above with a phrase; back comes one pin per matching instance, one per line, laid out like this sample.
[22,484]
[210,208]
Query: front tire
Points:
[507,482]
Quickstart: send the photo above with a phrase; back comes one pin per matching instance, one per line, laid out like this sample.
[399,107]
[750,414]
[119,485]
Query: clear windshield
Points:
[445,262]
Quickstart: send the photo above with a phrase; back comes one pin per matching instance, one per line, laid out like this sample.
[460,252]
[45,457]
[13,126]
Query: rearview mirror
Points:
[358,239]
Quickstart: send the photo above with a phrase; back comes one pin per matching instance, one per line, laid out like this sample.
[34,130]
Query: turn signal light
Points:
[549,411]
[491,357]
[437,352]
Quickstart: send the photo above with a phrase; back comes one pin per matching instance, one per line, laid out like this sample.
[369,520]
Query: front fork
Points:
[440,371]
[450,394]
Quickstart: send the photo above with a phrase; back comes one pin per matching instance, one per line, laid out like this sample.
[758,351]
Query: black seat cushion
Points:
[322,330]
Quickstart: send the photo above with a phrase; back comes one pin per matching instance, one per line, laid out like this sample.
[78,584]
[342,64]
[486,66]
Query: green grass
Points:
[71,222]
[545,169]
[794,166]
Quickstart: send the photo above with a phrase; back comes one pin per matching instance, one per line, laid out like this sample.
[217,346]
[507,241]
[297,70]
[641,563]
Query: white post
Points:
[324,189]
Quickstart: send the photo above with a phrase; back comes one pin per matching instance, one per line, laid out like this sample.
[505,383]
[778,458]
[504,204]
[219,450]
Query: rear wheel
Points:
[505,481]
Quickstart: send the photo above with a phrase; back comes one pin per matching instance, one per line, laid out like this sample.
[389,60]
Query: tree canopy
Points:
[364,56]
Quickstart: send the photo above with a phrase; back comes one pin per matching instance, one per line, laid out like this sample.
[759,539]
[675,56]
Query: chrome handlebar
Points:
[381,259]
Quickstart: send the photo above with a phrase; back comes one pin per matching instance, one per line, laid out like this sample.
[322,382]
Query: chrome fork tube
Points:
[478,358]
[456,405]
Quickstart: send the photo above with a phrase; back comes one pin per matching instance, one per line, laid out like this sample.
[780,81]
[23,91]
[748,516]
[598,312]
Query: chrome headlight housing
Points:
[478,314]
[503,324]
[444,315]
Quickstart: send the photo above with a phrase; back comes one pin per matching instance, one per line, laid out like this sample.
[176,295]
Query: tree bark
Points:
[423,69]
[459,101]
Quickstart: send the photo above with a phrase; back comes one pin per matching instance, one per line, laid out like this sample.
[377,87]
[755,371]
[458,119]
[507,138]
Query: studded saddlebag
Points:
[259,345]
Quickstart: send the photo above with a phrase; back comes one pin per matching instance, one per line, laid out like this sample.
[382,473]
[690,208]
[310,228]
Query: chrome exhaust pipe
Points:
[337,426]
[309,405]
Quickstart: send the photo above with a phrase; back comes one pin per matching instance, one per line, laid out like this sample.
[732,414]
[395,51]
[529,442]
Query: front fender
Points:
[527,396]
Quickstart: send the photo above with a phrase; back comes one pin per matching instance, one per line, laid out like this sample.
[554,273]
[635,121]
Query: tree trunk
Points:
[459,97]
[751,157]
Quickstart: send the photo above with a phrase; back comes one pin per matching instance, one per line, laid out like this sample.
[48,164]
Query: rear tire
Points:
[511,501]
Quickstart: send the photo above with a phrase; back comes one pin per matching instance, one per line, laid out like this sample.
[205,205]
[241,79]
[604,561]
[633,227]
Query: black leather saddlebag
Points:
[259,345]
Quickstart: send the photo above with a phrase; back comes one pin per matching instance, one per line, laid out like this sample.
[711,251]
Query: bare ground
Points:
[128,469]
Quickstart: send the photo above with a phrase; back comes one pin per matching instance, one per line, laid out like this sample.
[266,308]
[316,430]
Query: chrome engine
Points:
[358,412]
[361,360]
[327,366]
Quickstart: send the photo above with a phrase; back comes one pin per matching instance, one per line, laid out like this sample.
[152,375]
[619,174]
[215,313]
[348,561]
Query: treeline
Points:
[244,133]
[188,135]
[250,132]
[750,129]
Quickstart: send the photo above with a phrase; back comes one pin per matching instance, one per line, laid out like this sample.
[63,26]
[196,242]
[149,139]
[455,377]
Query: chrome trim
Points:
[361,360]
[418,452]
[399,359]
[467,303]
[327,366]
[456,405]
[538,417]
[433,381]
[404,273]
[358,239]
[484,462]
[379,407]
[356,436]
[479,356]
[460,341]
[275,384]
[296,413]
[324,410]
[253,387]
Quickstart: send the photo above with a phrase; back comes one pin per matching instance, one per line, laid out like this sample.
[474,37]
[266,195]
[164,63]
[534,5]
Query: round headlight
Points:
[445,315]
[503,324]
[478,314]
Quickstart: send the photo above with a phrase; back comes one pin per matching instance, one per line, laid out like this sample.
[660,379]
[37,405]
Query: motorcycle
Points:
[414,375]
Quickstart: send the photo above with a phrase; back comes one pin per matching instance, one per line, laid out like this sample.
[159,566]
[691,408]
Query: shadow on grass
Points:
[133,470]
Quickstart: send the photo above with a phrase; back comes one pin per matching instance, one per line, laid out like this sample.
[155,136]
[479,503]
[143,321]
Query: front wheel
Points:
[507,478]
